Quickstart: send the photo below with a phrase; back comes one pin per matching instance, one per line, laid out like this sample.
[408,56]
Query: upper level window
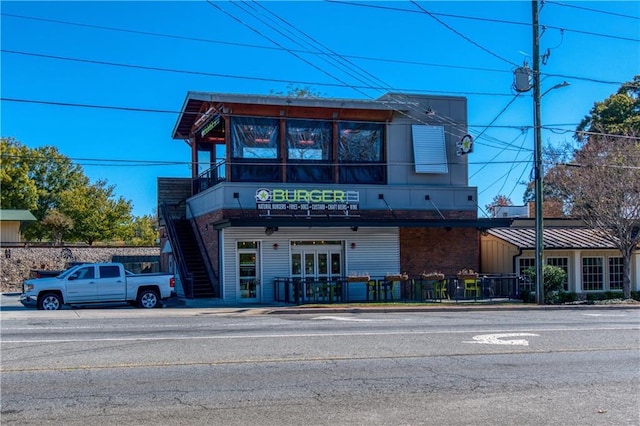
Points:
[308,140]
[360,152]
[429,150]
[255,138]
[360,142]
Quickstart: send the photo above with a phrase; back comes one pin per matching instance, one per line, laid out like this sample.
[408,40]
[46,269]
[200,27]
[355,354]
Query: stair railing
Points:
[211,272]
[185,275]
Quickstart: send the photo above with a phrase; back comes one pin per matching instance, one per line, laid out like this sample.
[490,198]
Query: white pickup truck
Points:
[97,283]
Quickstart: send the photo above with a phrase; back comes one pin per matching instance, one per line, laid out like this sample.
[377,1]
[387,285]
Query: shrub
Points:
[553,278]
[566,297]
[527,296]
[612,295]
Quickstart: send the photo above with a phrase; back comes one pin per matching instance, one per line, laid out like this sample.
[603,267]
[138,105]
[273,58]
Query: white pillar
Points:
[576,263]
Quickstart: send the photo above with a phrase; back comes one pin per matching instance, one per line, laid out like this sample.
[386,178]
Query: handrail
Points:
[210,177]
[203,249]
[177,251]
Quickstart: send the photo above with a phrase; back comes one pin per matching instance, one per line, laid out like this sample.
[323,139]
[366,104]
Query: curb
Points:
[493,308]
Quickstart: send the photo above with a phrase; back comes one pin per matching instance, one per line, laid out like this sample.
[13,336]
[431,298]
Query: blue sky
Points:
[460,48]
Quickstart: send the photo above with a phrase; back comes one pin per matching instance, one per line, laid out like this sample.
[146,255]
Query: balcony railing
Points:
[209,178]
[243,170]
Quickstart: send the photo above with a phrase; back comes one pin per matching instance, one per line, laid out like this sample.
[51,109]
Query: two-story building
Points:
[321,189]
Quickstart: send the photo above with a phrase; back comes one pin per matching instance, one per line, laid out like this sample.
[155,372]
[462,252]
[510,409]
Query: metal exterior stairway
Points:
[202,286]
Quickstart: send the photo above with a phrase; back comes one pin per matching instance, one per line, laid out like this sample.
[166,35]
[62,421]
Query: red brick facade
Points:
[445,250]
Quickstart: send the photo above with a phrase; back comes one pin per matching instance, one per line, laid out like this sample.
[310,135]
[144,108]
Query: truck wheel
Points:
[148,299]
[50,302]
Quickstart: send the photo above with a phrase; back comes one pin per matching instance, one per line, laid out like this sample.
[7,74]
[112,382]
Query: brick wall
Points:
[445,250]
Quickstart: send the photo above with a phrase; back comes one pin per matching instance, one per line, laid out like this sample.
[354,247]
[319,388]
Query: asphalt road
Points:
[244,367]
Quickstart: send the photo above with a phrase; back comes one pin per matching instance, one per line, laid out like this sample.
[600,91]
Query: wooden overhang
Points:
[199,106]
[342,221]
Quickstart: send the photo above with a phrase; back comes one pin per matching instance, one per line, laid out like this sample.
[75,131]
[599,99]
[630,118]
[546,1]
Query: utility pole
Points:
[537,153]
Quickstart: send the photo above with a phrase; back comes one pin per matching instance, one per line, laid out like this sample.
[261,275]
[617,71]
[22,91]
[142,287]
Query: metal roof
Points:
[191,106]
[388,102]
[554,238]
[19,215]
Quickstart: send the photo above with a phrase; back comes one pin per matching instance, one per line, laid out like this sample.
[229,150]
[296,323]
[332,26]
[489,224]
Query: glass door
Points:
[248,275]
[311,265]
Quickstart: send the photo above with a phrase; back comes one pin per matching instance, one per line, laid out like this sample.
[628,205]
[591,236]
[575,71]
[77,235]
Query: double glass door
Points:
[312,264]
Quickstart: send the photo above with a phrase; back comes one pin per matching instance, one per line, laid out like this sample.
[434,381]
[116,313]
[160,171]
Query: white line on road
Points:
[496,339]
[307,335]
[337,318]
[602,315]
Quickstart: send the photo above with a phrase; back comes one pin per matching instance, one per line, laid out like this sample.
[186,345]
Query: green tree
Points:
[96,213]
[57,225]
[33,178]
[17,189]
[619,114]
[53,173]
[142,231]
[600,183]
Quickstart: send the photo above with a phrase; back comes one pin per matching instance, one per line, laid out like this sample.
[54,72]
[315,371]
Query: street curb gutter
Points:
[458,308]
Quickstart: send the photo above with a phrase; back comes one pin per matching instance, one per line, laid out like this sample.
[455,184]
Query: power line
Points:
[101,161]
[450,28]
[252,46]
[239,77]
[129,163]
[524,138]
[389,95]
[198,39]
[591,9]
[163,111]
[120,108]
[474,18]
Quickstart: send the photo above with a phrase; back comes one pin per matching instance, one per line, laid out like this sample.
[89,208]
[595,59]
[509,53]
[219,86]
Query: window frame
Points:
[585,274]
[619,272]
[551,260]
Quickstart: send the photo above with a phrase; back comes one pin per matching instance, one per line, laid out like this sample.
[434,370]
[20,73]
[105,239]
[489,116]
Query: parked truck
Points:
[97,283]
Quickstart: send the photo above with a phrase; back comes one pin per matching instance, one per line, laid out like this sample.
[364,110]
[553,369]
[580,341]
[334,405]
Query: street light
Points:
[557,86]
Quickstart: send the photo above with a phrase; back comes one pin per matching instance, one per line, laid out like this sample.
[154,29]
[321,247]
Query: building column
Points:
[576,264]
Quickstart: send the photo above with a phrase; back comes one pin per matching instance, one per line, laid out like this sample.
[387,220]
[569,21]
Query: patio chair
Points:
[472,286]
